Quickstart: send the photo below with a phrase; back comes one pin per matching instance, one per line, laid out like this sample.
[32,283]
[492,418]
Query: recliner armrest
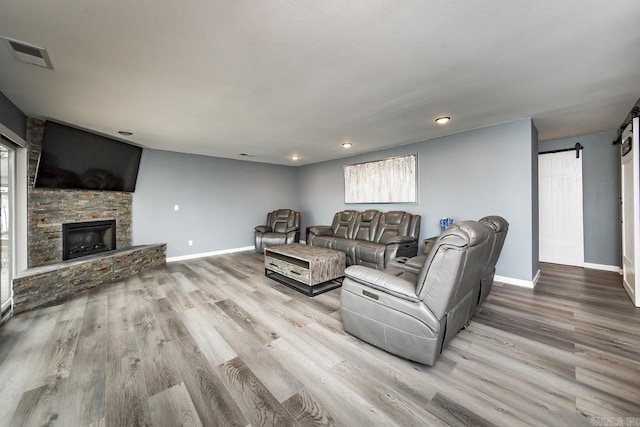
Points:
[320,230]
[263,228]
[400,239]
[428,244]
[383,282]
[290,229]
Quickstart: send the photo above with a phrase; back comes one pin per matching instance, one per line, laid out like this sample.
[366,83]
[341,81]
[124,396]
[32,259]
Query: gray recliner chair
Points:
[415,316]
[282,227]
[500,227]
[496,223]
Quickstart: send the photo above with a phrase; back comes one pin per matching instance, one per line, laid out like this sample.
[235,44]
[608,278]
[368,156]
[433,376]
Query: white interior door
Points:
[560,205]
[630,183]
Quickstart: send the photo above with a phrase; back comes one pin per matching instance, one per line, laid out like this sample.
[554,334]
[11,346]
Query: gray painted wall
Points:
[12,117]
[601,194]
[220,200]
[465,176]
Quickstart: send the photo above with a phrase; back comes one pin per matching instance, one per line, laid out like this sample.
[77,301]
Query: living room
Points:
[204,207]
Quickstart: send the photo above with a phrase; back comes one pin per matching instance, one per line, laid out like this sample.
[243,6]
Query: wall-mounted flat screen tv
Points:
[73,158]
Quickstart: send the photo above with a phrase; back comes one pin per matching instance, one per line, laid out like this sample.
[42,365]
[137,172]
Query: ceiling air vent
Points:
[25,52]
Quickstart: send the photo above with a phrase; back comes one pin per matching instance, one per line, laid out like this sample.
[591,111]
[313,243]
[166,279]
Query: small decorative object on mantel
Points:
[445,223]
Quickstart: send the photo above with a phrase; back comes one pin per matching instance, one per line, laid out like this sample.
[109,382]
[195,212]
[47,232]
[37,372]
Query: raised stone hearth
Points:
[40,286]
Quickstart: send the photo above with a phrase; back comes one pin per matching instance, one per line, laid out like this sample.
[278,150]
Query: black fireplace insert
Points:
[86,238]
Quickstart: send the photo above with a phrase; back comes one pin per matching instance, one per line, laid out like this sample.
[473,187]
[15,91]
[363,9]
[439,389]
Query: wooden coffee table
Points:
[307,269]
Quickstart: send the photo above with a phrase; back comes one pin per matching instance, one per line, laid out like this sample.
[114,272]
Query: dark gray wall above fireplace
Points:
[12,117]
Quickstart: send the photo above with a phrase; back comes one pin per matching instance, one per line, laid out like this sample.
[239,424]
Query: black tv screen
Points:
[73,158]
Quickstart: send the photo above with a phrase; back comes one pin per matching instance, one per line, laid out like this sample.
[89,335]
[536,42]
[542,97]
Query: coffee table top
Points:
[305,252]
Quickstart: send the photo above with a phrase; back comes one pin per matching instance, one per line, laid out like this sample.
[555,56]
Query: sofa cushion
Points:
[392,224]
[365,225]
[343,224]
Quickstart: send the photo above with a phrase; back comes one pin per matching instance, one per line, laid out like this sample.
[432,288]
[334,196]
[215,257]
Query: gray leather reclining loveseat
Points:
[371,238]
[415,316]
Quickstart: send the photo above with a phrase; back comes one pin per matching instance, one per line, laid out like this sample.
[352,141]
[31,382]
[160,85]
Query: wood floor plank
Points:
[159,372]
[126,397]
[84,400]
[246,322]
[212,345]
[40,406]
[259,405]
[173,407]
[167,317]
[213,402]
[121,340]
[307,411]
[454,413]
[277,379]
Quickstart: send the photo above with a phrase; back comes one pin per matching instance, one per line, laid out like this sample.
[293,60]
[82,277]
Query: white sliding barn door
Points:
[560,208]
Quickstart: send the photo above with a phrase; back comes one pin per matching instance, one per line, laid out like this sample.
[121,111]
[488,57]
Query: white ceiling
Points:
[274,78]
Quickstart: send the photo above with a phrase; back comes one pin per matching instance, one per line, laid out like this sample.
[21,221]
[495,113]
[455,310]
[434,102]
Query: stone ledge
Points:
[46,285]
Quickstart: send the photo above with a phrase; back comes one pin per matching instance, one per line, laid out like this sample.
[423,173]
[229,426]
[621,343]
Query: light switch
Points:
[176,208]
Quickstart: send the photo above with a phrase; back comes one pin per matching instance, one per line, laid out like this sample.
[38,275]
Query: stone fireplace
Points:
[49,209]
[77,239]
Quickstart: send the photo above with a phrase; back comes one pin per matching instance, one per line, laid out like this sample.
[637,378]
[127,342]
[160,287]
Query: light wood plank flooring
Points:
[212,342]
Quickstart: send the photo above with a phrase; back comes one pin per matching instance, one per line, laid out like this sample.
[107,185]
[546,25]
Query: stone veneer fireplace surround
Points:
[49,279]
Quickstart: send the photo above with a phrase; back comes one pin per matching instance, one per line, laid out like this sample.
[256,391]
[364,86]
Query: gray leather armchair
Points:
[415,316]
[282,227]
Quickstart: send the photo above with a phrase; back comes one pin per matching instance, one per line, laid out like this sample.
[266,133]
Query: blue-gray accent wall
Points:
[468,175]
[600,194]
[220,200]
[12,117]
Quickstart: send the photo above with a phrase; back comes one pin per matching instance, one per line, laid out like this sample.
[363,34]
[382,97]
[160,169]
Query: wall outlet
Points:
[176,208]
[190,242]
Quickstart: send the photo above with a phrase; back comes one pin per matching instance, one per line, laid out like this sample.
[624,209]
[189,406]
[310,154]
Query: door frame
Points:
[19,217]
[632,287]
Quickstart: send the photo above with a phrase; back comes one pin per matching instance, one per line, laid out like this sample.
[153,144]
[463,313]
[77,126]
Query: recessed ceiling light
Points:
[347,144]
[443,120]
[125,132]
[295,157]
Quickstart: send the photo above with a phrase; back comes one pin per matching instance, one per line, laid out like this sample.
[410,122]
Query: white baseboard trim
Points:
[206,254]
[518,282]
[604,267]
